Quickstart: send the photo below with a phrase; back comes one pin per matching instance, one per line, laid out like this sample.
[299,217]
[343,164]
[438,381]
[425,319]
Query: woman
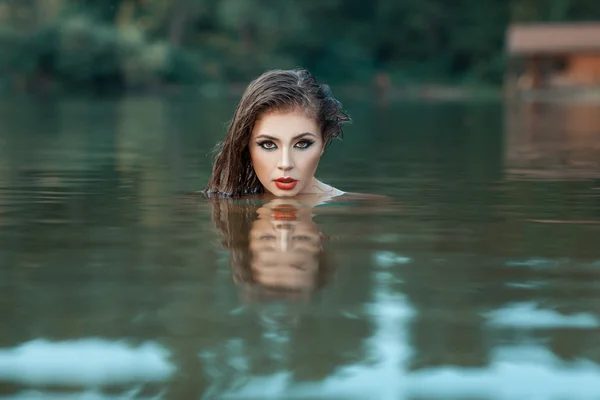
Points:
[279,131]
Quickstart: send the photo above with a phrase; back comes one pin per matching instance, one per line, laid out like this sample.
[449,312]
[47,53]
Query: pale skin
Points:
[288,145]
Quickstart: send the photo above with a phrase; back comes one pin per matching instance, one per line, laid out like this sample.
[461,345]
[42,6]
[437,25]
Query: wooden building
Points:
[550,55]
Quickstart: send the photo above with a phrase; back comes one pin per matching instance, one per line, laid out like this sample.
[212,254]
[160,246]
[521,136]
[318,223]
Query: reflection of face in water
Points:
[275,249]
[285,247]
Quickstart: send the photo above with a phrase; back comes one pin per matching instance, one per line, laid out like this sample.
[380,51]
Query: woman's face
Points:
[285,148]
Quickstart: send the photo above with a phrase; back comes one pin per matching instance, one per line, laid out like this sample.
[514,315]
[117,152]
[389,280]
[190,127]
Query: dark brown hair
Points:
[282,90]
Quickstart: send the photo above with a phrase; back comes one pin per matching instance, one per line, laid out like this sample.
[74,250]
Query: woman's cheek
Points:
[258,166]
[311,160]
[261,161]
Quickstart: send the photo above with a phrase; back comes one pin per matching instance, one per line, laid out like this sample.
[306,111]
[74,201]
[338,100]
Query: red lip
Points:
[285,183]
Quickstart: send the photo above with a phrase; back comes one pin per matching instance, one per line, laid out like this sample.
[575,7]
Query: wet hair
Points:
[275,90]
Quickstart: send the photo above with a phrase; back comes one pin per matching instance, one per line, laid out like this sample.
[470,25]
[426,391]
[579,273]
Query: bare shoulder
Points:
[358,203]
[362,197]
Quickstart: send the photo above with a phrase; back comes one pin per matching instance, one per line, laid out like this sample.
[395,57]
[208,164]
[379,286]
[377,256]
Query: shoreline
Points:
[381,94]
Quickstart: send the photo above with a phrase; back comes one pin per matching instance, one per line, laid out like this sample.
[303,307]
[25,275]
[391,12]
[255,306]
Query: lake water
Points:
[480,279]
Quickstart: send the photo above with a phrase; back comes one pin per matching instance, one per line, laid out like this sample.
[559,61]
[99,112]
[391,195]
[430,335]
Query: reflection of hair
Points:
[234,220]
[233,174]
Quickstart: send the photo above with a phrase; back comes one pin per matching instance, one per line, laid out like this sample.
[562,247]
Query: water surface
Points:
[478,279]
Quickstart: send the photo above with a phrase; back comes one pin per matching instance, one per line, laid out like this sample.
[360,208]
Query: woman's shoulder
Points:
[357,203]
[361,197]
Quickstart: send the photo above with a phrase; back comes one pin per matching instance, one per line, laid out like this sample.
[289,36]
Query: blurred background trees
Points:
[112,45]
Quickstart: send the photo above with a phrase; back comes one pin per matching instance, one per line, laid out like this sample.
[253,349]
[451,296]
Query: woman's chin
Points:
[285,193]
[275,191]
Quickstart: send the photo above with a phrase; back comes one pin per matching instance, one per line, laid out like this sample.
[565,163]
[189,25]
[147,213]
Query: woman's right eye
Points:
[267,145]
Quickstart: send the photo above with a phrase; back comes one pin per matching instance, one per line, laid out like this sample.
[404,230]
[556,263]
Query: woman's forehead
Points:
[285,123]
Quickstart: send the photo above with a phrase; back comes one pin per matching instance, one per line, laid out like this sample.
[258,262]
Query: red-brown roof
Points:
[548,38]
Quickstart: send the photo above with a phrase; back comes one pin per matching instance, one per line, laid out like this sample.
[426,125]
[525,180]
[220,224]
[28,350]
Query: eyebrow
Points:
[294,138]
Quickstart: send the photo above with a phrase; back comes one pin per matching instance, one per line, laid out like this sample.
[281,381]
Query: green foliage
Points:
[140,43]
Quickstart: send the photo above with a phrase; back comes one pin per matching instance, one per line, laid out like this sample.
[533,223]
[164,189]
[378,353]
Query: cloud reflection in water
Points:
[513,372]
[88,395]
[84,362]
[526,315]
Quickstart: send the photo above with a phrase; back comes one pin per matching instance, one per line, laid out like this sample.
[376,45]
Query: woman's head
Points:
[280,129]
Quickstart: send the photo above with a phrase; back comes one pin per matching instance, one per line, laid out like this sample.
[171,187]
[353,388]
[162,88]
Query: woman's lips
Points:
[285,183]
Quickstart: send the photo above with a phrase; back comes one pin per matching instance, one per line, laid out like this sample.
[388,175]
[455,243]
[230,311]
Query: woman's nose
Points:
[285,161]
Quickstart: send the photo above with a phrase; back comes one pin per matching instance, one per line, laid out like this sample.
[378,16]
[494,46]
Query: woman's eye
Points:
[268,145]
[304,144]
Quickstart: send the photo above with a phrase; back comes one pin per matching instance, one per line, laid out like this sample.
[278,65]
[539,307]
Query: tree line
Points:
[116,44]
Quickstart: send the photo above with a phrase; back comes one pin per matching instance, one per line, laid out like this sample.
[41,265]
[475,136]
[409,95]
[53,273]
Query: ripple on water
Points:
[529,315]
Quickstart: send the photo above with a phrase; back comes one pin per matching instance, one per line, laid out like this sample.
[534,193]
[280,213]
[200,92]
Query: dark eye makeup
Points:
[267,145]
[304,144]
[270,145]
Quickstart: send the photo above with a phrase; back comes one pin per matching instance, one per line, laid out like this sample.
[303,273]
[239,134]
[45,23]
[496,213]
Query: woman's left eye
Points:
[303,144]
